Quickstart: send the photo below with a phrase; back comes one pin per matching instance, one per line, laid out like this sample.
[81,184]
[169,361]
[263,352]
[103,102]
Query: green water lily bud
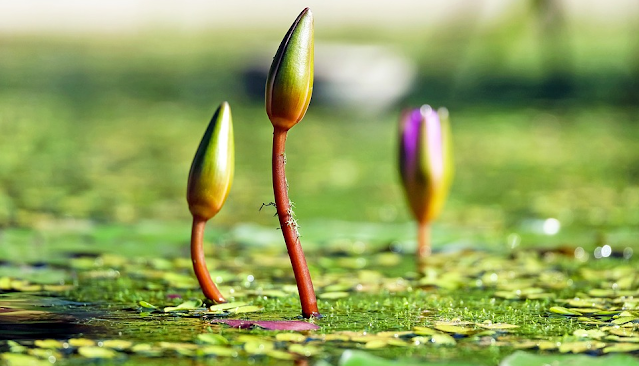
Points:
[290,80]
[425,160]
[212,169]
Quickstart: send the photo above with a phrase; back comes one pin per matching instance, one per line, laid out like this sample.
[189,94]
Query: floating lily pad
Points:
[18,359]
[96,352]
[334,295]
[455,329]
[498,326]
[622,348]
[185,306]
[117,344]
[212,338]
[591,333]
[246,309]
[443,339]
[220,351]
[581,346]
[304,350]
[281,355]
[258,347]
[79,342]
[563,311]
[290,337]
[295,325]
[48,343]
[146,305]
[521,358]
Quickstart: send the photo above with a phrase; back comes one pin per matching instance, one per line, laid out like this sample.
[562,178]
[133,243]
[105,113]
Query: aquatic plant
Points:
[288,93]
[425,165]
[208,187]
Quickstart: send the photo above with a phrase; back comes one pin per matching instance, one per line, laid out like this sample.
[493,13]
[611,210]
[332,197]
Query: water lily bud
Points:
[290,80]
[425,160]
[212,169]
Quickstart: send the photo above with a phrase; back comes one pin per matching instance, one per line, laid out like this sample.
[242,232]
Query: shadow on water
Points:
[29,317]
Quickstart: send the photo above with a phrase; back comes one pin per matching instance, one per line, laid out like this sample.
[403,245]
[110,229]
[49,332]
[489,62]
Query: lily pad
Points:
[521,358]
[96,352]
[563,311]
[185,306]
[212,338]
[334,295]
[295,325]
[227,306]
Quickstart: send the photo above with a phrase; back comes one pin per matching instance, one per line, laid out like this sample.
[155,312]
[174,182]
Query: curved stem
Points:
[199,265]
[423,240]
[289,228]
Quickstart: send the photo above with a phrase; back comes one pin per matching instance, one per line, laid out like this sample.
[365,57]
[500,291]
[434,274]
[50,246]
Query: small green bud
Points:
[290,80]
[212,169]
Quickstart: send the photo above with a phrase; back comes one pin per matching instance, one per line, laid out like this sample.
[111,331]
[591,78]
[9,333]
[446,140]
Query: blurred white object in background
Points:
[369,78]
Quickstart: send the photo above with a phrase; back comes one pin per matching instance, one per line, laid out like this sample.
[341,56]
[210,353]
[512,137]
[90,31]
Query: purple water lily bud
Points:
[425,160]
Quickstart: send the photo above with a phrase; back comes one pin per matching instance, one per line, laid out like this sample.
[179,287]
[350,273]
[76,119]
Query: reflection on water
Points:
[28,317]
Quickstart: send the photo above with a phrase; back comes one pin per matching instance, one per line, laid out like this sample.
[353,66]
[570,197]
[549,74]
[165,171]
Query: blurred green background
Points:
[102,108]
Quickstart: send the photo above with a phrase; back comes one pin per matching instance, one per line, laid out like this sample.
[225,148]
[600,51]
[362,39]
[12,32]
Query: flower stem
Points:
[423,240]
[199,265]
[289,228]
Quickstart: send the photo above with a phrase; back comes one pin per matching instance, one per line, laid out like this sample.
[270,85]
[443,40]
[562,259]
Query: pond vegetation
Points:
[533,257]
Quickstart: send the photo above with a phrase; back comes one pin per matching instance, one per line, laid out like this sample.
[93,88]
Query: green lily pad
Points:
[622,348]
[290,337]
[498,326]
[18,359]
[48,343]
[425,331]
[521,358]
[146,305]
[80,342]
[563,311]
[443,340]
[334,295]
[16,347]
[246,309]
[581,346]
[193,304]
[147,350]
[281,355]
[96,352]
[360,358]
[258,347]
[227,306]
[117,344]
[220,351]
[377,343]
[591,333]
[44,353]
[304,350]
[624,320]
[455,329]
[212,338]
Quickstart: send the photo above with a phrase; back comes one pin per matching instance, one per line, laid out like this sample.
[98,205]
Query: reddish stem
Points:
[199,265]
[423,240]
[289,228]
